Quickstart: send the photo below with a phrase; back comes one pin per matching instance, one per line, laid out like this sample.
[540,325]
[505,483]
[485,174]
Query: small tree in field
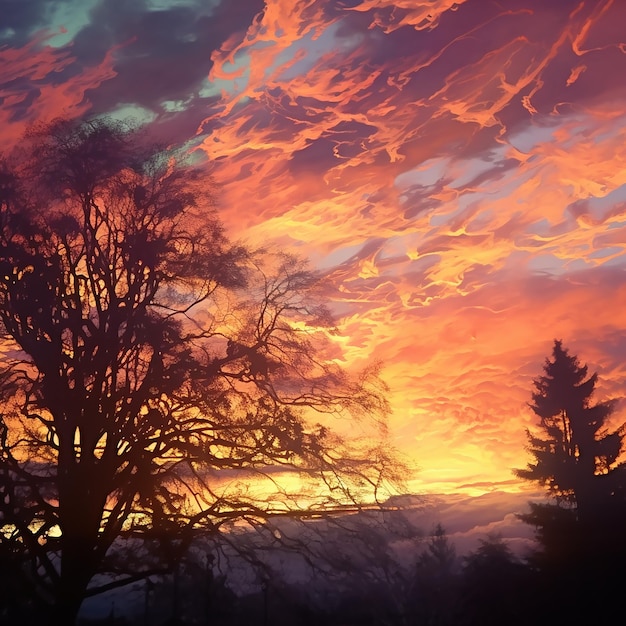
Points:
[147,366]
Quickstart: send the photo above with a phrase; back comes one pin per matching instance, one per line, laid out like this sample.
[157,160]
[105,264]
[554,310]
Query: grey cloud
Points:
[19,18]
[163,55]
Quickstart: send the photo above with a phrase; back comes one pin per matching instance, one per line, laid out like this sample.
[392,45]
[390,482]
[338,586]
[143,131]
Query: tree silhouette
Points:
[150,368]
[495,586]
[577,456]
[436,584]
[578,459]
[440,553]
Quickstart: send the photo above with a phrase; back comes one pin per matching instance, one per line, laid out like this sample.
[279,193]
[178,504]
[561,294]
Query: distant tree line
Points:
[488,586]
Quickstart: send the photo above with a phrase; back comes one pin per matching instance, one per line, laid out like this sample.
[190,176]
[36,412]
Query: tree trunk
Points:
[67,606]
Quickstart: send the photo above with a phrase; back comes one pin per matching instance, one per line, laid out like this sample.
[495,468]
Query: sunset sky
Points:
[457,169]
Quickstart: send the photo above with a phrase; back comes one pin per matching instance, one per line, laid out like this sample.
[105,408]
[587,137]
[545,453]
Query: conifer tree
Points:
[435,592]
[580,532]
[440,553]
[576,456]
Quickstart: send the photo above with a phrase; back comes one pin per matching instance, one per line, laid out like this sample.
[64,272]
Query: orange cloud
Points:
[32,89]
[447,180]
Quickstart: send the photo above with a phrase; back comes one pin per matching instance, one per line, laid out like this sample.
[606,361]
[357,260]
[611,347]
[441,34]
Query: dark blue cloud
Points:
[163,55]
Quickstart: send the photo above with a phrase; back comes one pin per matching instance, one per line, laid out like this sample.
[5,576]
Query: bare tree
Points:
[151,368]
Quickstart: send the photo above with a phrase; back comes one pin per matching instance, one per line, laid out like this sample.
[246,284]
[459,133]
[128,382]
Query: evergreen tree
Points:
[495,586]
[440,553]
[435,593]
[576,456]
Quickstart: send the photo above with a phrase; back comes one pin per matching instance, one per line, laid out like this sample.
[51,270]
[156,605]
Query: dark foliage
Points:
[436,587]
[581,531]
[495,587]
[577,456]
[149,369]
